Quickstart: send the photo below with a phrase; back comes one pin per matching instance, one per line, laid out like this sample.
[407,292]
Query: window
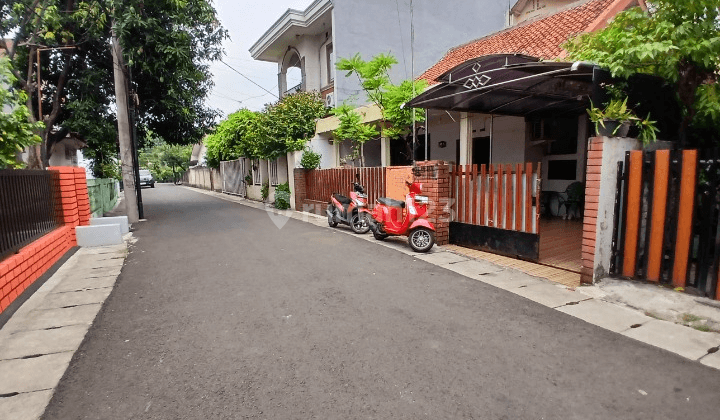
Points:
[330,56]
[273,173]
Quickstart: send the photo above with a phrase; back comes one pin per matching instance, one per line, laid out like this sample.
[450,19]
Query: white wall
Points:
[508,139]
[321,144]
[442,128]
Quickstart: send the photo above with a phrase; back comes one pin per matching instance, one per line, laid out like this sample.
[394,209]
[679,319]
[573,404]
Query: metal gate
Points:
[233,174]
[667,218]
[495,208]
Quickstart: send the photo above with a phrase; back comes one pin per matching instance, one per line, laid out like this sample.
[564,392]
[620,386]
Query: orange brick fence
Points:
[22,269]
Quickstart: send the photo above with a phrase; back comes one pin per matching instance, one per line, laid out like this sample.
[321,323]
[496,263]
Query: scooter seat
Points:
[391,202]
[342,199]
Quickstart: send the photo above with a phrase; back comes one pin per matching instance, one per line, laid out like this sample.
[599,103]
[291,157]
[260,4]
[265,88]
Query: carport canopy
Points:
[511,84]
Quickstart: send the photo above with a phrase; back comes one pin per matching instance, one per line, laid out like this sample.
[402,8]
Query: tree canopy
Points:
[167,45]
[678,40]
[375,80]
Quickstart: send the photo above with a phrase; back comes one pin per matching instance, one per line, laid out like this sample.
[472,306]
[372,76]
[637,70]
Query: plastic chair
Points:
[573,199]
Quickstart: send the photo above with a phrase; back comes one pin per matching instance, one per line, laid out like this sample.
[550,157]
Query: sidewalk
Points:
[642,312]
[39,340]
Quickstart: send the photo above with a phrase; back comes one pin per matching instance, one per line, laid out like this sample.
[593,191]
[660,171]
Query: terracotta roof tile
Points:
[537,38]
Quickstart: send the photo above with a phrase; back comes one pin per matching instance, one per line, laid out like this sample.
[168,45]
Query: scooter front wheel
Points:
[359,223]
[421,239]
[332,222]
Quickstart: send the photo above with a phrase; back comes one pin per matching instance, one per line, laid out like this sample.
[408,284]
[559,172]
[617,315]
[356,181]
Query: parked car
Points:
[146,178]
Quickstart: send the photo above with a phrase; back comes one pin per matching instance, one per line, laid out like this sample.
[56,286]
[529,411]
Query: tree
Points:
[166,161]
[678,40]
[227,142]
[16,131]
[167,46]
[374,78]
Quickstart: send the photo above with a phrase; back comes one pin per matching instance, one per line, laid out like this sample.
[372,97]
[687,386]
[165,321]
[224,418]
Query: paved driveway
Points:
[218,314]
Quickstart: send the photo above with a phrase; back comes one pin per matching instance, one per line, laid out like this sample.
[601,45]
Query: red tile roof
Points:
[537,38]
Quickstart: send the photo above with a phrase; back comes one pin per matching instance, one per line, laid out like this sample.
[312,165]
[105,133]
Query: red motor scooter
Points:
[350,210]
[395,217]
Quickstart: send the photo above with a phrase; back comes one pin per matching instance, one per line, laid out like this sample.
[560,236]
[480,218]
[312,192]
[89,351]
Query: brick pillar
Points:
[300,187]
[593,177]
[68,212]
[83,199]
[435,177]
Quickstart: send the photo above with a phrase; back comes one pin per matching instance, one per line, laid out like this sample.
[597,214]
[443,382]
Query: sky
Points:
[246,21]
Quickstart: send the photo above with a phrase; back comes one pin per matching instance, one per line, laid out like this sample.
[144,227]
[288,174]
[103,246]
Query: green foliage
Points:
[265,191]
[678,40]
[282,127]
[16,132]
[375,80]
[310,159]
[282,196]
[228,141]
[166,161]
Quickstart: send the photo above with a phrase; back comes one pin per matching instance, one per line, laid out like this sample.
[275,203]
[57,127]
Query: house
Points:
[306,43]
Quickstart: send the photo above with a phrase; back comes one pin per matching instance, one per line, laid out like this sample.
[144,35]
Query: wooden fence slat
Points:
[685,217]
[528,197]
[657,229]
[474,194]
[538,188]
[483,192]
[518,197]
[491,196]
[508,198]
[468,197]
[632,218]
[500,195]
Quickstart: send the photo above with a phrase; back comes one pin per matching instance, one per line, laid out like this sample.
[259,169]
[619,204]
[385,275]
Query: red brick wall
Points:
[592,196]
[436,186]
[19,271]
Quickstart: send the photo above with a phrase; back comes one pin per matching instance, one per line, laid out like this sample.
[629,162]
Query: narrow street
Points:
[218,314]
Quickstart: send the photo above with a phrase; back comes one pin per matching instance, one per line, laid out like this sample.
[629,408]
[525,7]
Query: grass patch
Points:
[703,328]
[652,315]
[690,318]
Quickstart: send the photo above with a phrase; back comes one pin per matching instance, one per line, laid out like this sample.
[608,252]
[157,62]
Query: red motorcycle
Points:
[395,217]
[350,210]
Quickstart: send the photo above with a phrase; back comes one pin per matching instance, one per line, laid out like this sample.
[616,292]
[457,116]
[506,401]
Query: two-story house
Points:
[306,43]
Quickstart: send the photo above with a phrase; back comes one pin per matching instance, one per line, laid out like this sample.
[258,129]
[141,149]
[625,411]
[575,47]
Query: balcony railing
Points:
[294,89]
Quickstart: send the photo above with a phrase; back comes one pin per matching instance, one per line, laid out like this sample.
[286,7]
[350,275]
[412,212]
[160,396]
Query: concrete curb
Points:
[39,340]
[684,341]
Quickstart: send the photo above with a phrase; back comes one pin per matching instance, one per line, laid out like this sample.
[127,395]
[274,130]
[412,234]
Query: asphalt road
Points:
[218,314]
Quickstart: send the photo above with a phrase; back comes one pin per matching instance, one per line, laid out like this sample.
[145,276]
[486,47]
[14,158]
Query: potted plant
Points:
[616,119]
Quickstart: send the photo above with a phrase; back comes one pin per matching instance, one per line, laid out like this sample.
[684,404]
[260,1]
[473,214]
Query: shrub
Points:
[265,191]
[282,196]
[310,159]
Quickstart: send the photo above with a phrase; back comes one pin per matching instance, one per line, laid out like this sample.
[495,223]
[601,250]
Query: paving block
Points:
[474,269]
[27,375]
[712,360]
[83,297]
[549,294]
[679,339]
[84,283]
[509,280]
[118,220]
[442,258]
[605,314]
[60,317]
[25,406]
[100,235]
[29,343]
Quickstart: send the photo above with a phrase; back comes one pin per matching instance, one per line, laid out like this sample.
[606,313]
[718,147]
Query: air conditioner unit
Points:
[330,100]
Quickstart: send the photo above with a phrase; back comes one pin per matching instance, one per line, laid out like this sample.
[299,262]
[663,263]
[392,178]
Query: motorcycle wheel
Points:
[331,217]
[421,239]
[359,223]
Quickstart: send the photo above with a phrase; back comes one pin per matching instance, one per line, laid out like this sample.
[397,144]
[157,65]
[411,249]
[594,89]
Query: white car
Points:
[146,178]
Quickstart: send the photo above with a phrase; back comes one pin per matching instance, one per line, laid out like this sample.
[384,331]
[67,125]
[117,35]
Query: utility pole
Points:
[126,147]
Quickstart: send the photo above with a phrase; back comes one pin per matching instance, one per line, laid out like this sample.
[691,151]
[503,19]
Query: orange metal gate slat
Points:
[632,225]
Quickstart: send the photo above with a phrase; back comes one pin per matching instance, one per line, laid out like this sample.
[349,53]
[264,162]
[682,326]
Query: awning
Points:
[508,84]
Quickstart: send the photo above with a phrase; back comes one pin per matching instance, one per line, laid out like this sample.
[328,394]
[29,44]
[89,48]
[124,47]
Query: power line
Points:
[250,80]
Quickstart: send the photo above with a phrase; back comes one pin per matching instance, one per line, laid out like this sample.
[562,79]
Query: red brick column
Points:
[83,200]
[435,177]
[300,187]
[592,197]
[68,202]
